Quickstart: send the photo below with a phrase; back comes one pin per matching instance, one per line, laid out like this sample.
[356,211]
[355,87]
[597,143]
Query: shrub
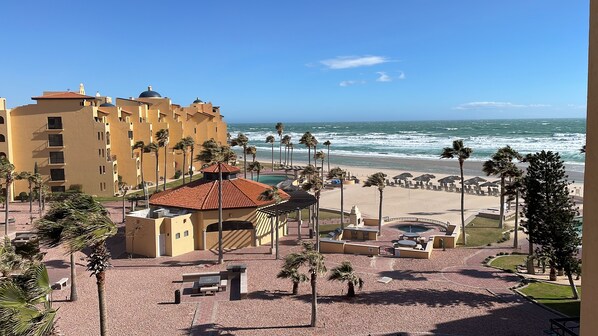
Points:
[23,196]
[76,188]
[177,174]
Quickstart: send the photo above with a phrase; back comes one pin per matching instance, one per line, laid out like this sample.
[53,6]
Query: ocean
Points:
[386,143]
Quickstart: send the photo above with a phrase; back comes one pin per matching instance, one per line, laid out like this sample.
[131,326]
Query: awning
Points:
[299,200]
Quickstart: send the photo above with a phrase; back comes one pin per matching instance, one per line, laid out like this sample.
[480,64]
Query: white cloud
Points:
[488,105]
[402,75]
[579,107]
[347,62]
[350,82]
[383,77]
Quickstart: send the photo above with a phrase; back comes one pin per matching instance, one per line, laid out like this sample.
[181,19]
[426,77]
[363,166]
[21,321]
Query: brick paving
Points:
[450,294]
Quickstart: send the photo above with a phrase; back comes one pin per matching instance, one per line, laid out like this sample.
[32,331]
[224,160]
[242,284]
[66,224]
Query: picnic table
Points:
[208,281]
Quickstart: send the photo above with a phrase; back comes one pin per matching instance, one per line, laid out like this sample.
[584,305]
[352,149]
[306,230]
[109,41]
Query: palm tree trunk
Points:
[142,178]
[322,166]
[314,299]
[220,254]
[317,223]
[74,295]
[328,157]
[30,198]
[292,155]
[342,206]
[124,207]
[310,222]
[280,149]
[39,195]
[6,211]
[308,155]
[244,162]
[380,215]
[184,164]
[299,224]
[462,205]
[157,174]
[351,291]
[277,228]
[501,220]
[572,284]
[272,156]
[295,287]
[100,281]
[191,165]
[516,232]
[165,157]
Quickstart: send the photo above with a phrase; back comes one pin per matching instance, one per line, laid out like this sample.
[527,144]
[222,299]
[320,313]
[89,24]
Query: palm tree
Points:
[10,260]
[345,273]
[270,140]
[190,143]
[338,173]
[314,261]
[7,172]
[462,153]
[286,140]
[273,194]
[213,153]
[140,145]
[162,138]
[181,147]
[501,164]
[313,182]
[38,182]
[292,274]
[306,140]
[251,150]
[513,190]
[25,308]
[31,179]
[377,180]
[257,167]
[320,156]
[123,188]
[242,140]
[327,143]
[279,129]
[154,148]
[63,223]
[291,148]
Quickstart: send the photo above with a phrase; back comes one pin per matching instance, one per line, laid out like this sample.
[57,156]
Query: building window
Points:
[178,235]
[186,233]
[57,174]
[54,123]
[101,187]
[1,120]
[57,189]
[100,170]
[130,134]
[56,157]
[2,138]
[55,140]
[103,169]
[98,135]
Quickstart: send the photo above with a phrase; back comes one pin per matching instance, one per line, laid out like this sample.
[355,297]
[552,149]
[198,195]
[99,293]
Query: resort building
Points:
[76,139]
[185,218]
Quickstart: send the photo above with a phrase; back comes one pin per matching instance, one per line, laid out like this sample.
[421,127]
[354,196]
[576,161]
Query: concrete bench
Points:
[60,284]
[208,290]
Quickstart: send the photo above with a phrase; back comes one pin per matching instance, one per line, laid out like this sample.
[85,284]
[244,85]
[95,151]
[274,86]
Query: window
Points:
[55,140]
[100,170]
[178,235]
[57,174]
[1,120]
[101,187]
[2,138]
[103,169]
[57,189]
[186,233]
[54,123]
[99,135]
[56,157]
[130,134]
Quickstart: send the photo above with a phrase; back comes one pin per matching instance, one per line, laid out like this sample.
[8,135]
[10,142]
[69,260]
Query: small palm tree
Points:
[190,143]
[140,145]
[513,190]
[320,156]
[273,194]
[462,153]
[257,167]
[377,180]
[153,147]
[27,176]
[162,137]
[338,173]
[180,146]
[291,149]
[345,273]
[313,182]
[314,261]
[242,140]
[294,275]
[279,129]
[7,172]
[270,140]
[251,150]
[286,140]
[123,188]
[327,143]
[307,140]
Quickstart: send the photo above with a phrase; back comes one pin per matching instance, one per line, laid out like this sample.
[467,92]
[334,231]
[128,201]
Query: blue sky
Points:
[271,61]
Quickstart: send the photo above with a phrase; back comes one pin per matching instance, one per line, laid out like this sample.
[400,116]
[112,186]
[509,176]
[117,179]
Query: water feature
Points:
[270,179]
[413,228]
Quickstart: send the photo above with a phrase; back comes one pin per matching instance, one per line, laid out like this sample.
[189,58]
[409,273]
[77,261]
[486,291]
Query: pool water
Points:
[413,228]
[270,179]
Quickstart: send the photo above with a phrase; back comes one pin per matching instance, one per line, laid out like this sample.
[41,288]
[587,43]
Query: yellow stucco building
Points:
[77,139]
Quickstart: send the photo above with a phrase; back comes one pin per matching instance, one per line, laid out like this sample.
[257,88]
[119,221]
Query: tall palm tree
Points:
[180,146]
[513,190]
[327,143]
[279,129]
[162,137]
[377,180]
[286,140]
[140,145]
[270,140]
[345,273]
[257,167]
[123,188]
[314,261]
[313,182]
[291,148]
[7,172]
[30,178]
[501,164]
[242,141]
[307,140]
[338,173]
[292,274]
[190,143]
[251,150]
[25,308]
[273,194]
[320,156]
[462,153]
[213,153]
[153,147]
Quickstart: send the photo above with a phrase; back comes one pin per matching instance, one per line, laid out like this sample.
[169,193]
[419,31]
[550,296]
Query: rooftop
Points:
[63,95]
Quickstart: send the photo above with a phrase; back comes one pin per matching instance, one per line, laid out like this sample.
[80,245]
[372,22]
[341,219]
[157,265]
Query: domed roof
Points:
[149,93]
[106,104]
[197,101]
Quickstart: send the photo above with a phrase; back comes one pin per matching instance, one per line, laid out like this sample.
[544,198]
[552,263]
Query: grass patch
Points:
[557,297]
[483,231]
[509,262]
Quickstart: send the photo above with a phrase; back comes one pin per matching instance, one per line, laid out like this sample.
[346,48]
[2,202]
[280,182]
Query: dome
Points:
[197,101]
[106,104]
[149,93]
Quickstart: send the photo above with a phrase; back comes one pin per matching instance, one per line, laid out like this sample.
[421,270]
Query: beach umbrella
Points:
[403,176]
[424,178]
[449,179]
[474,180]
[489,185]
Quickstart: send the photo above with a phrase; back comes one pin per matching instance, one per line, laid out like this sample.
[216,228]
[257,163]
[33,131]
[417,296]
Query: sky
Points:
[270,61]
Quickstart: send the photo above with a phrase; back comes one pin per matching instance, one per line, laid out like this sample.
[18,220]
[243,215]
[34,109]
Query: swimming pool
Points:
[413,228]
[270,179]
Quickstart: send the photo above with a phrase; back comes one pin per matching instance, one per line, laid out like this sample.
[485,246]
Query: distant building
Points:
[77,139]
[185,218]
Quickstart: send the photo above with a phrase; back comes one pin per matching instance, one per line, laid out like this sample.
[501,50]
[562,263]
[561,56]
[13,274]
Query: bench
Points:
[191,277]
[60,284]
[208,290]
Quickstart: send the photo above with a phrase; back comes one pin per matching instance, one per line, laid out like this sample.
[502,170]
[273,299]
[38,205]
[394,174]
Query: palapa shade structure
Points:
[474,180]
[403,176]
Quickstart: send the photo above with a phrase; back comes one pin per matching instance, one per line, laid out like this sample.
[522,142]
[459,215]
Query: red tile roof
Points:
[226,168]
[203,195]
[63,95]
